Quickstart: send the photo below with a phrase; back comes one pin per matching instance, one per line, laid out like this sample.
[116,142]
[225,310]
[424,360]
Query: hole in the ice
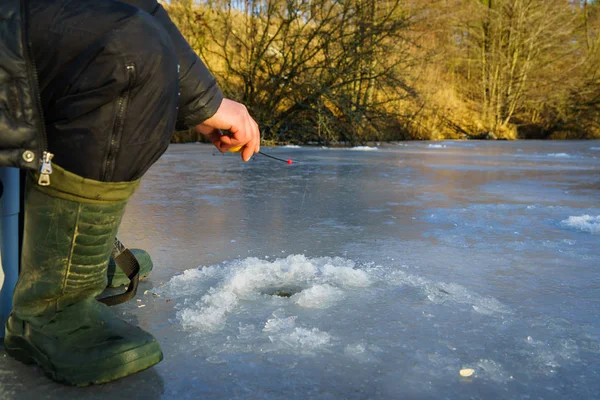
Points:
[282,291]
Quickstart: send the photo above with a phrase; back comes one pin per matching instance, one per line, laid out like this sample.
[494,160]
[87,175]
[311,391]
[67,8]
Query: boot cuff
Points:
[69,186]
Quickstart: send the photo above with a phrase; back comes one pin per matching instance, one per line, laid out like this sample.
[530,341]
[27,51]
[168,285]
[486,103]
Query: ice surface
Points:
[364,275]
[436,146]
[358,300]
[585,223]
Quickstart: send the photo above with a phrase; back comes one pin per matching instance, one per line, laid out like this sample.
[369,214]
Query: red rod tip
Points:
[289,161]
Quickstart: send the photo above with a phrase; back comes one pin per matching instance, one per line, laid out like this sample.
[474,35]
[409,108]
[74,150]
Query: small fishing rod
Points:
[289,161]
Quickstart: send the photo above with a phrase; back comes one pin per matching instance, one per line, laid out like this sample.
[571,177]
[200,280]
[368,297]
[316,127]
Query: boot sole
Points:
[108,370]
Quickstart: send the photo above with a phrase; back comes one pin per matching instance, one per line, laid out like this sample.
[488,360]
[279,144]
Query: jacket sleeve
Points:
[199,96]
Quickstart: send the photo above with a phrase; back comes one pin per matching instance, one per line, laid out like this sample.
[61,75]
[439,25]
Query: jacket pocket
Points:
[114,141]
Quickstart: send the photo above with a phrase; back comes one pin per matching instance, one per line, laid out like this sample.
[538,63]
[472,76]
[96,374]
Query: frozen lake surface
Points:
[356,274]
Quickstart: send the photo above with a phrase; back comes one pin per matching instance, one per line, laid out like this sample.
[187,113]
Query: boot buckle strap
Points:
[125,260]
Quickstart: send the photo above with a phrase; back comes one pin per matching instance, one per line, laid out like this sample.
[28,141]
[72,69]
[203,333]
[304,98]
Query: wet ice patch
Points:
[584,223]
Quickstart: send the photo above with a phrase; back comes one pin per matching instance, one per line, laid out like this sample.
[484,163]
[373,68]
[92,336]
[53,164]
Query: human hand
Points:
[234,117]
[213,135]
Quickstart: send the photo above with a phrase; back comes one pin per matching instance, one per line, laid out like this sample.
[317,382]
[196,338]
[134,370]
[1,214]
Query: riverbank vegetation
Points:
[353,71]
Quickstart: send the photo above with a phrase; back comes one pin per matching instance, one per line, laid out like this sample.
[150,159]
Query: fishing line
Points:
[237,149]
[289,161]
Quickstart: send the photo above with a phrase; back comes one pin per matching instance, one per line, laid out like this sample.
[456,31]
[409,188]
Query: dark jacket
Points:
[22,136]
[200,95]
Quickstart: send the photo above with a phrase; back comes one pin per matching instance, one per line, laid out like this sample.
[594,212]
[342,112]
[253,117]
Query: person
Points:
[92,91]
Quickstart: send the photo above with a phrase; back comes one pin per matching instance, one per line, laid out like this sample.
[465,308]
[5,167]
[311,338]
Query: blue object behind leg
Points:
[9,233]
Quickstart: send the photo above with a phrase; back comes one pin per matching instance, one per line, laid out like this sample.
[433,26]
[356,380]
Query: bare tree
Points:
[307,69]
[358,70]
[511,41]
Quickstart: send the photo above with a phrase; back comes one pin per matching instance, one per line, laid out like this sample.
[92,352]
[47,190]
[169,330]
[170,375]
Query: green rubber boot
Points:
[116,276]
[56,320]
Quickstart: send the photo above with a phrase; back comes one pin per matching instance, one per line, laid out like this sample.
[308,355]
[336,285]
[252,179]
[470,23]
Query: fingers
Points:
[213,135]
[253,145]
[244,130]
[220,147]
[229,140]
[248,137]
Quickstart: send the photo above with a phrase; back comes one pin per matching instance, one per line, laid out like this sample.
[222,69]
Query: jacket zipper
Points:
[115,137]
[45,161]
[45,169]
